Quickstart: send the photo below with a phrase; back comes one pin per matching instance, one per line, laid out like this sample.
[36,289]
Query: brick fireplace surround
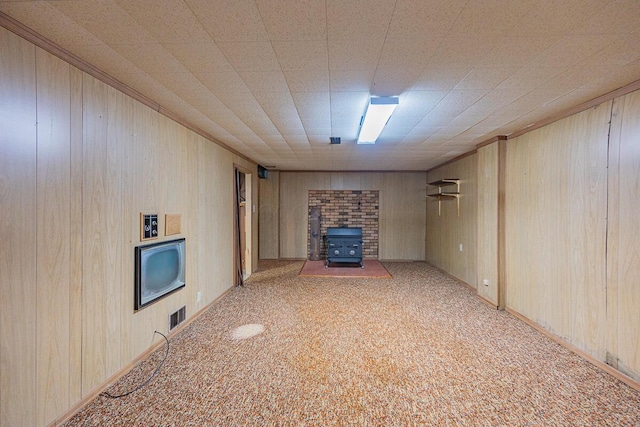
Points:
[348,208]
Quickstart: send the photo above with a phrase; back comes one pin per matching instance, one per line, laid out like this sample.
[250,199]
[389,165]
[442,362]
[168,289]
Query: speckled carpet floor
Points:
[416,350]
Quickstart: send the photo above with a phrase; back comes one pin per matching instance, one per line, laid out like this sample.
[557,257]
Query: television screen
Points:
[160,270]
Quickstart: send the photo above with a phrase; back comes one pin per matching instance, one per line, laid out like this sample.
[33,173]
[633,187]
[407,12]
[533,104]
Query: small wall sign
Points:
[172,224]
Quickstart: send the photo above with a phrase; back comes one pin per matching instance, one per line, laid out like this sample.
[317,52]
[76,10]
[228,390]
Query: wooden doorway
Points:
[243,210]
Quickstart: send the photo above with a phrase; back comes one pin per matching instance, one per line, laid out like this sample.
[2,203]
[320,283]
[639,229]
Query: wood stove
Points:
[344,245]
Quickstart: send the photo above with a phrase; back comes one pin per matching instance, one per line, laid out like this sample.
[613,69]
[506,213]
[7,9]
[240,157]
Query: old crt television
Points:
[159,271]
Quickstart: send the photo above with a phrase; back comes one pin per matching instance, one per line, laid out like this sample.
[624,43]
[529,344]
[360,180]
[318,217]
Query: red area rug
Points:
[372,269]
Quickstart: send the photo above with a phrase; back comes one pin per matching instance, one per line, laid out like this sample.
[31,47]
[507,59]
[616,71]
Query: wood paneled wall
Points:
[556,227]
[571,203]
[18,272]
[448,230]
[402,209]
[79,162]
[269,212]
[487,247]
[623,249]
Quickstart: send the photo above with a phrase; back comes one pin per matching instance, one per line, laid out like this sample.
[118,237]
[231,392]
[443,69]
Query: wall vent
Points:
[177,317]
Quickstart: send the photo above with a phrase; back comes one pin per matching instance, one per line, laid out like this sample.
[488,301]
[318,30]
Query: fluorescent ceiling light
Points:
[376,117]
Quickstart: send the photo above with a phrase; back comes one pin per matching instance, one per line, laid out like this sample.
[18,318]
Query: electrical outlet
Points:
[198,296]
[485,282]
[460,247]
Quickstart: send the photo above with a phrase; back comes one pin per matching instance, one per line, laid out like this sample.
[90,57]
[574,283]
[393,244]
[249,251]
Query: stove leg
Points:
[326,264]
[361,264]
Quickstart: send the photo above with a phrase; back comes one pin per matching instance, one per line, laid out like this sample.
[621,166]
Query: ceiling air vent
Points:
[334,140]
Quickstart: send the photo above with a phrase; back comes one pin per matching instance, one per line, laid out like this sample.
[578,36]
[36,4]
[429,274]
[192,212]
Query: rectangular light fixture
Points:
[376,117]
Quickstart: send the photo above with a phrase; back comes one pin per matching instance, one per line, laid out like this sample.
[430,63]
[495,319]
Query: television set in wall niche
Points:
[159,271]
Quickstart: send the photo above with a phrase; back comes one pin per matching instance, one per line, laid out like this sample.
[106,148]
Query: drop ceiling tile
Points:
[148,86]
[351,81]
[495,100]
[187,87]
[168,21]
[300,142]
[579,75]
[432,78]
[457,51]
[316,126]
[494,121]
[50,22]
[152,58]
[394,81]
[313,107]
[489,16]
[278,104]
[570,50]
[302,55]
[288,126]
[348,105]
[106,20]
[435,119]
[530,77]
[319,139]
[355,55]
[552,17]
[574,50]
[307,80]
[358,19]
[105,59]
[486,78]
[622,51]
[222,83]
[620,17]
[517,51]
[199,57]
[417,103]
[457,101]
[250,56]
[464,121]
[412,17]
[265,81]
[294,19]
[420,135]
[412,53]
[230,20]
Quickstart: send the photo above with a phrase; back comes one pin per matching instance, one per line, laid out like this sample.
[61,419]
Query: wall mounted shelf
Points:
[446,195]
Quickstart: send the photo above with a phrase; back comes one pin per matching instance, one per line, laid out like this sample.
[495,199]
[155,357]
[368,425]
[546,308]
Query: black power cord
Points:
[107,394]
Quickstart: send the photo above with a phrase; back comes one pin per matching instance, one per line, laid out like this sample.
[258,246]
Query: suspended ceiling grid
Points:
[274,80]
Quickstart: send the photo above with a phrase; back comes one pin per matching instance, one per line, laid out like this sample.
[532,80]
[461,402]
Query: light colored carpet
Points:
[416,350]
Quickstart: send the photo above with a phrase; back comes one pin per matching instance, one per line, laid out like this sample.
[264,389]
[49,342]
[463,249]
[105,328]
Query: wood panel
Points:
[345,181]
[294,200]
[53,229]
[555,227]
[402,209]
[487,250]
[141,178]
[218,220]
[95,205]
[189,211]
[269,204]
[117,285]
[448,230]
[79,162]
[75,237]
[401,218]
[18,315]
[624,227]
